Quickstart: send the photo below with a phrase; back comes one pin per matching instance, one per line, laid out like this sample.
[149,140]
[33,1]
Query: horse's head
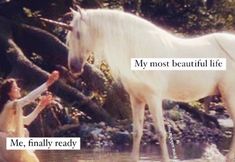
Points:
[79,40]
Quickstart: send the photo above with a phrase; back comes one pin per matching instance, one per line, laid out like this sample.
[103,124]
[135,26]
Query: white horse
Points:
[117,37]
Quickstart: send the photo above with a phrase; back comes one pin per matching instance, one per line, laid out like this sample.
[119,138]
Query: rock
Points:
[96,133]
[226,123]
[181,125]
[184,129]
[121,138]
[84,130]
[228,134]
[188,119]
[217,107]
[102,124]
[174,114]
[173,126]
[212,112]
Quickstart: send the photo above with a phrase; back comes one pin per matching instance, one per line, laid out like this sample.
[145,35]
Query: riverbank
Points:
[185,129]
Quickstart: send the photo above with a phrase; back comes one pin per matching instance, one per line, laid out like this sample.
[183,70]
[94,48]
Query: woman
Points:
[12,120]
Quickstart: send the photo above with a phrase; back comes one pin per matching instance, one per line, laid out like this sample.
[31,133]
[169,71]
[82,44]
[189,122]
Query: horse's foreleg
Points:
[138,119]
[155,107]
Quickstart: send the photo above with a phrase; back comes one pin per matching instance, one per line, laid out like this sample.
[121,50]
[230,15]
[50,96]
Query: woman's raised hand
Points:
[45,100]
[54,76]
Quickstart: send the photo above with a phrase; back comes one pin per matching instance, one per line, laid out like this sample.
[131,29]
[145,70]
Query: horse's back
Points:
[226,41]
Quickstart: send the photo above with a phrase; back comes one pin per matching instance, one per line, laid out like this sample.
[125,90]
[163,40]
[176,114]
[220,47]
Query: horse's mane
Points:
[125,36]
[104,16]
[121,26]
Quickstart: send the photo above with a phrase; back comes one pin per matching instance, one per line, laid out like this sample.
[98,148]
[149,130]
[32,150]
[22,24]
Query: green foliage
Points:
[183,16]
[191,16]
[197,105]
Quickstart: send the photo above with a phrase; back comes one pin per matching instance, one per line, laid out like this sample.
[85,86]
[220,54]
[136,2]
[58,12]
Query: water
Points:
[186,153]
[91,156]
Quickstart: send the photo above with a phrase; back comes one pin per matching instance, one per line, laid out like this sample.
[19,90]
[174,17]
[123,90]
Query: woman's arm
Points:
[44,101]
[32,95]
[38,91]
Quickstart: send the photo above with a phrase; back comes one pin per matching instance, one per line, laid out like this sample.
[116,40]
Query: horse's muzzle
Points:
[76,66]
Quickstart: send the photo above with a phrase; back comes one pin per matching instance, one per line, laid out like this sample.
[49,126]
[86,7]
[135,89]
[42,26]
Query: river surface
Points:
[190,152]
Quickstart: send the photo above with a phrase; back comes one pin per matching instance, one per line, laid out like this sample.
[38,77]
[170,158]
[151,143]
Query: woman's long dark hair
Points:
[4,92]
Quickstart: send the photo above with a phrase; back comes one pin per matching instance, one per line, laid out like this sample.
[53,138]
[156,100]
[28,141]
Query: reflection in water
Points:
[84,156]
[148,154]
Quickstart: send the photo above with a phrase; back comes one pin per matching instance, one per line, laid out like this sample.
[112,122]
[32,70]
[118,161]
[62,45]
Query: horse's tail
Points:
[226,44]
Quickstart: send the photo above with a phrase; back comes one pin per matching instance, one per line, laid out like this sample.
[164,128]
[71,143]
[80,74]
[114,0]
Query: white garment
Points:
[7,120]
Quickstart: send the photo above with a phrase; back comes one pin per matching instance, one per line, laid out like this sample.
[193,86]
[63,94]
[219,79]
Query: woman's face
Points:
[15,91]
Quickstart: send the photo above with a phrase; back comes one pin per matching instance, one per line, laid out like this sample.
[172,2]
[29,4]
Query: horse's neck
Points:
[118,33]
[123,36]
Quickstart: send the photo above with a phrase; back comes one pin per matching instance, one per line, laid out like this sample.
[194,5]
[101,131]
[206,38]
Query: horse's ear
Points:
[79,9]
[73,11]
